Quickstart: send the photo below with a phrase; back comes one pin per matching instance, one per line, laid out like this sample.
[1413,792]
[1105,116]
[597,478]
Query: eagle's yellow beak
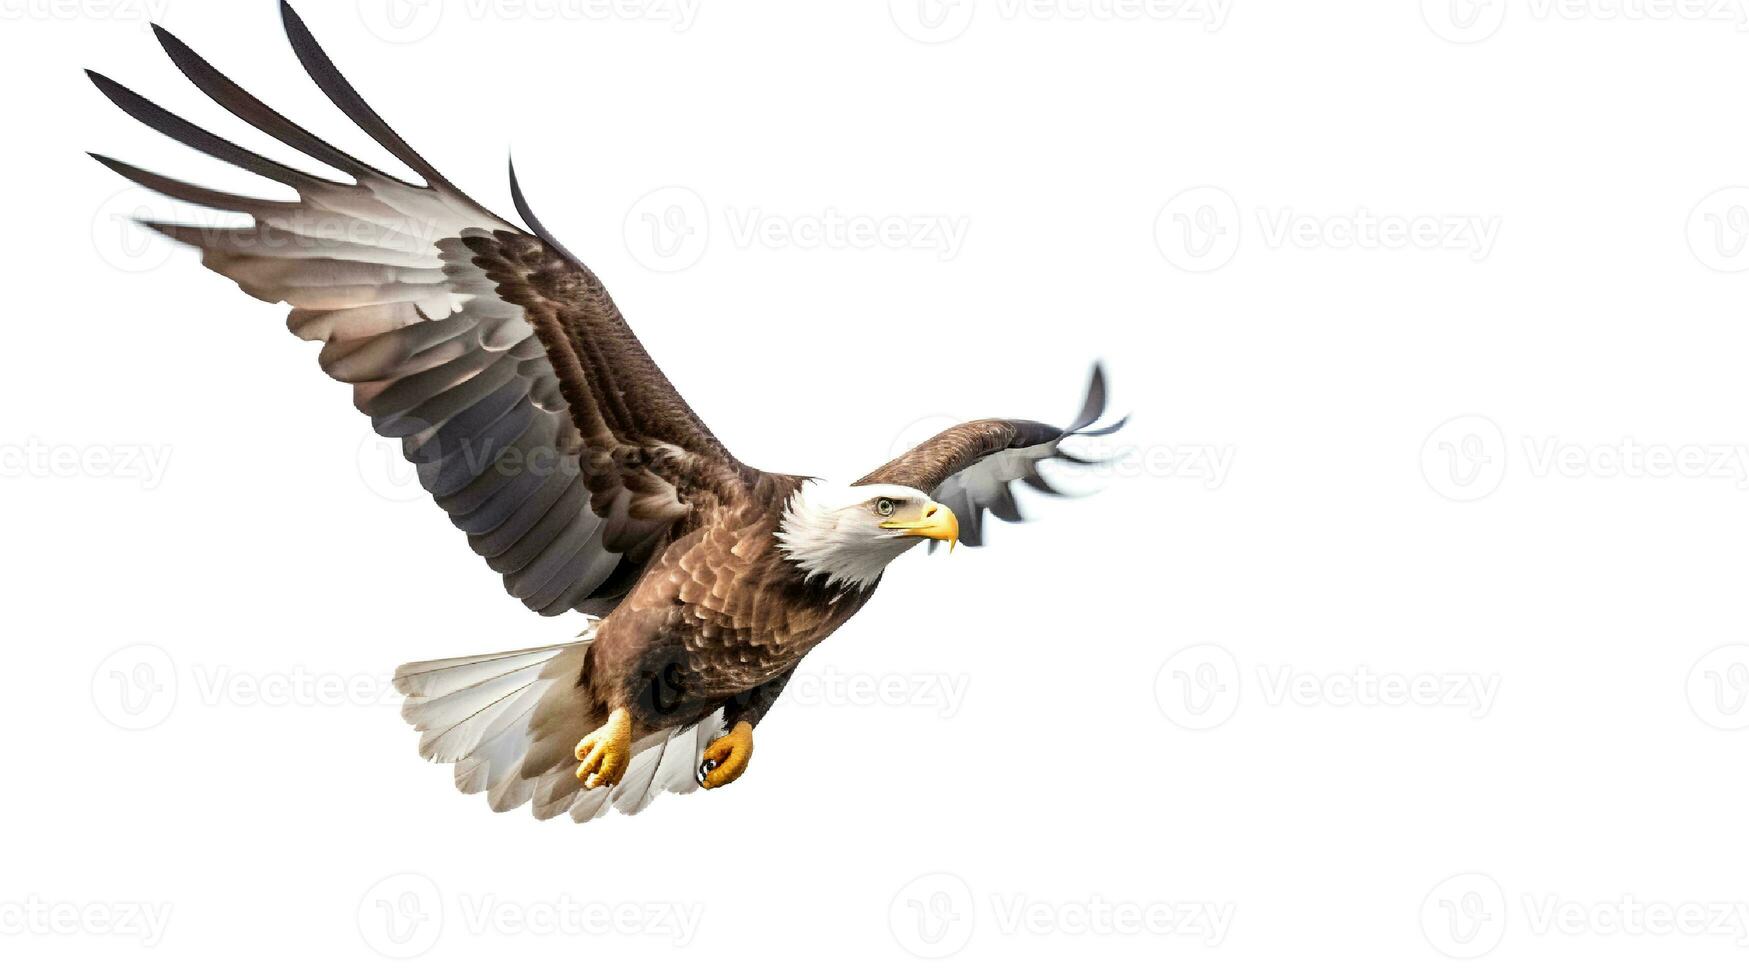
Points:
[938,522]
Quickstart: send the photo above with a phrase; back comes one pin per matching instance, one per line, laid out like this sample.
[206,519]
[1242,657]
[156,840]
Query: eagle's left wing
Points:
[972,466]
[535,417]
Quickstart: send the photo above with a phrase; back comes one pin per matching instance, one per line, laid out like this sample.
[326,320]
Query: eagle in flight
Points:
[539,424]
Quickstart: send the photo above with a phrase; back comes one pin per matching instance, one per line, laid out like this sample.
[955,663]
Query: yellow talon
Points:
[606,751]
[726,758]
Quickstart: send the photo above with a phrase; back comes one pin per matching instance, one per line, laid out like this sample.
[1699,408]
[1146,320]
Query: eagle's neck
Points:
[826,541]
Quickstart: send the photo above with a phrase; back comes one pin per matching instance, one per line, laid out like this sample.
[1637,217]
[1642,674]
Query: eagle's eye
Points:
[885,506]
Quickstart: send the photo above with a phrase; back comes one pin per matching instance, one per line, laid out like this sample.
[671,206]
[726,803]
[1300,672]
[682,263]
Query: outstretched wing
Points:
[533,415]
[972,466]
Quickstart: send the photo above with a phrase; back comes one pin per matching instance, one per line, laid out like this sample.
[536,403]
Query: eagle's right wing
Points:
[972,467]
[535,417]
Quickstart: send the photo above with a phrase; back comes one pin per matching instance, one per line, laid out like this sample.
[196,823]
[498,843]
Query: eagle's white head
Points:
[849,533]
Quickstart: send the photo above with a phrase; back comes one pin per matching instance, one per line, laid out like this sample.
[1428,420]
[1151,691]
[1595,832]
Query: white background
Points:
[1382,690]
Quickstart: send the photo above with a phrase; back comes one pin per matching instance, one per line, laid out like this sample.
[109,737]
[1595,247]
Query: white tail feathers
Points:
[509,722]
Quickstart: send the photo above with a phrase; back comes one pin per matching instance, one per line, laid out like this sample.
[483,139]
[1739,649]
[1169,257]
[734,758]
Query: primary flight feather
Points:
[541,426]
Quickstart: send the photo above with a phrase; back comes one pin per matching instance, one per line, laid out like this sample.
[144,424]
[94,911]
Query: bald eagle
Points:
[540,425]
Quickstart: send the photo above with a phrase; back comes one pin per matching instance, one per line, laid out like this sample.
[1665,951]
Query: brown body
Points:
[719,618]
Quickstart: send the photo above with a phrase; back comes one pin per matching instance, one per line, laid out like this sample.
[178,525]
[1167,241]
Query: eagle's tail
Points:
[509,722]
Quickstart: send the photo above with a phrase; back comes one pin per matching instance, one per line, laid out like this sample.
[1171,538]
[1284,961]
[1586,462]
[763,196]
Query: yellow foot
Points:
[726,758]
[606,751]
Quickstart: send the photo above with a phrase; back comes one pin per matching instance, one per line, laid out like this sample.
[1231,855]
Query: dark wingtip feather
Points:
[345,97]
[1104,430]
[1094,405]
[104,83]
[169,124]
[528,216]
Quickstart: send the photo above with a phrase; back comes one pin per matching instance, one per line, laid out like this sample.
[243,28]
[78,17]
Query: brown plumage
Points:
[541,426]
